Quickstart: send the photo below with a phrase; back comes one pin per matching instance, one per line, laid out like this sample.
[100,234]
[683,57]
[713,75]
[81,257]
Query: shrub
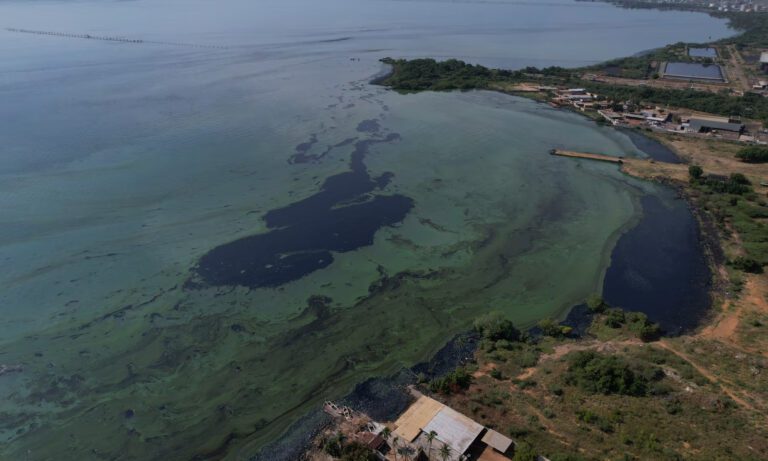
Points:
[518,432]
[615,318]
[496,373]
[454,381]
[648,332]
[356,451]
[550,328]
[695,172]
[494,326]
[673,406]
[524,452]
[745,264]
[596,304]
[602,374]
[753,154]
[528,359]
[642,327]
[738,178]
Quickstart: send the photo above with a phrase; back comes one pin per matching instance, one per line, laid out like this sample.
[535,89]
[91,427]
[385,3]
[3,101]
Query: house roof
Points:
[410,423]
[455,429]
[497,441]
[371,440]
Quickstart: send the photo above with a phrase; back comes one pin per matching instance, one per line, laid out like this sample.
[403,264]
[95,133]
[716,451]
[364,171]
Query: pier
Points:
[587,155]
[106,38]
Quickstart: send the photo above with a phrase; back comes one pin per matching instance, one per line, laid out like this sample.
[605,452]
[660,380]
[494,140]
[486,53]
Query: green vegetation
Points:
[750,105]
[494,327]
[753,25]
[338,447]
[645,65]
[695,172]
[455,381]
[753,154]
[609,374]
[734,206]
[428,74]
[596,304]
[638,401]
[524,452]
[614,323]
[551,328]
[747,265]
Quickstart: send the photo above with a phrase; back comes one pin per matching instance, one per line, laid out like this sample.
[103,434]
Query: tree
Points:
[445,451]
[430,438]
[385,433]
[695,172]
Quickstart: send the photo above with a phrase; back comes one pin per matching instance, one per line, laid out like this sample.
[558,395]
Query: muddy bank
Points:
[382,398]
[653,148]
[659,267]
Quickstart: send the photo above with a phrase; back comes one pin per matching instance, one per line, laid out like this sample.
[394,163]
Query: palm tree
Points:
[385,433]
[430,438]
[395,443]
[445,451]
[405,451]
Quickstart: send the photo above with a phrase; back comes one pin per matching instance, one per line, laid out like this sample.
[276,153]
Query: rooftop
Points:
[699,124]
[409,424]
[463,435]
[702,52]
[455,429]
[694,71]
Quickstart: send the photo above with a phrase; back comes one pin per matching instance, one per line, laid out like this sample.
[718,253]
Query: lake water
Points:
[206,234]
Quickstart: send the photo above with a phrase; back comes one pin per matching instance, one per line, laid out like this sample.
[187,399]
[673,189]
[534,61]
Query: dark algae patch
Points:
[343,216]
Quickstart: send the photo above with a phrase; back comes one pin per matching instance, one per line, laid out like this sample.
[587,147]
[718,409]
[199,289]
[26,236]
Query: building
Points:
[700,125]
[465,438]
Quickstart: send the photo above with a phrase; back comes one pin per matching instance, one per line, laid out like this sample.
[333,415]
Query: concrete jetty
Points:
[587,155]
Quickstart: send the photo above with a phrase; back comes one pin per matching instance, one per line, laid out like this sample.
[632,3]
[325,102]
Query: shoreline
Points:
[393,386]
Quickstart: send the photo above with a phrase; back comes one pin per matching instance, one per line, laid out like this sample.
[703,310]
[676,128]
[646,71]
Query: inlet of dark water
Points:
[659,268]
